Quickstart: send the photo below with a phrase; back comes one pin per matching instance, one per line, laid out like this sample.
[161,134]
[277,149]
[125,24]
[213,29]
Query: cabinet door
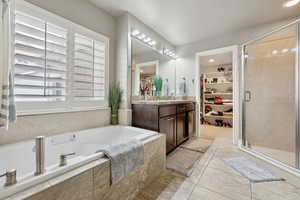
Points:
[181,128]
[167,126]
[191,123]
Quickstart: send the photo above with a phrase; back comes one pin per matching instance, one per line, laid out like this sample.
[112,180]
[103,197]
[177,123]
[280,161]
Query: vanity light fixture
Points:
[285,50]
[135,32]
[147,39]
[141,36]
[211,60]
[291,3]
[152,43]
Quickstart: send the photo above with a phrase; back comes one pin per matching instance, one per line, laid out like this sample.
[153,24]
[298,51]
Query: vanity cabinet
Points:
[168,126]
[176,120]
[181,128]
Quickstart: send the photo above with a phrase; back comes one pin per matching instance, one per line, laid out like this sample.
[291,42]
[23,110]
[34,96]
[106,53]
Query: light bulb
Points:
[291,3]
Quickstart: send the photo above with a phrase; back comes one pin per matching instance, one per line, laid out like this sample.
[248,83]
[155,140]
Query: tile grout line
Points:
[204,168]
[251,191]
[206,165]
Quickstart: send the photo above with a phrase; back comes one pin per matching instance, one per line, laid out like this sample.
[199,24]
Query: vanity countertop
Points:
[162,102]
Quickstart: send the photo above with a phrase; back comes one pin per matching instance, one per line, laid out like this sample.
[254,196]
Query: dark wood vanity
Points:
[173,118]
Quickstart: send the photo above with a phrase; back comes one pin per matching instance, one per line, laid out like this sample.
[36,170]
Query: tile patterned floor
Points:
[213,180]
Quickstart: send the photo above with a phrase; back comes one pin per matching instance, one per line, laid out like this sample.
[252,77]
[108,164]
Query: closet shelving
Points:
[217,84]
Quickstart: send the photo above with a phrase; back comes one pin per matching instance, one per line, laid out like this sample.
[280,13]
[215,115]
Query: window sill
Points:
[60,110]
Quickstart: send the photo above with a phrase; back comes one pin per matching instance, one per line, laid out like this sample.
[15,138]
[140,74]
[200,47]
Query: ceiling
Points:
[219,59]
[187,21]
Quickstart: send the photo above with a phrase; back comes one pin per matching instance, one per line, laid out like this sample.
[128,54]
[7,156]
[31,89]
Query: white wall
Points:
[87,15]
[186,64]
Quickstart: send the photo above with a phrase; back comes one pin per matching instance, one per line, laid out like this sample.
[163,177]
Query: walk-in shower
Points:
[270,77]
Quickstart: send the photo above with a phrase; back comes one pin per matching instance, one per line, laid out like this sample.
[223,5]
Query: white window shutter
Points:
[89,68]
[40,60]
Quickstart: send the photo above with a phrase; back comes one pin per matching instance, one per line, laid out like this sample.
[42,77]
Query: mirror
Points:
[147,65]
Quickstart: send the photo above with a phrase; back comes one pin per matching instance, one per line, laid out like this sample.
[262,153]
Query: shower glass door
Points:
[271,97]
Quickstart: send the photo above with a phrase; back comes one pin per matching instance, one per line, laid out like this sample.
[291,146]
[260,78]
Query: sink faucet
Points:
[11,177]
[39,155]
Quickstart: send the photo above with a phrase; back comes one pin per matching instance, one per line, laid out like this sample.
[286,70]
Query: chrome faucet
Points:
[63,158]
[39,155]
[11,177]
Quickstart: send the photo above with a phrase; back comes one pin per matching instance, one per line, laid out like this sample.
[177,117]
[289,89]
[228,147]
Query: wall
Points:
[31,126]
[186,64]
[125,23]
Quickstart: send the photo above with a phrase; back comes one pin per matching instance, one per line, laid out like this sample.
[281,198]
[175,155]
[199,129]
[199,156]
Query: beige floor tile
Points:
[226,184]
[205,194]
[163,188]
[212,179]
[278,190]
[213,132]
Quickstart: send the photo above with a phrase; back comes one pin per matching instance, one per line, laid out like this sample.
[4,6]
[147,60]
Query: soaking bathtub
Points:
[85,144]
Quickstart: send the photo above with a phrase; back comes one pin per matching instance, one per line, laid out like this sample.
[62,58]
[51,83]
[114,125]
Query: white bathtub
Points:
[21,156]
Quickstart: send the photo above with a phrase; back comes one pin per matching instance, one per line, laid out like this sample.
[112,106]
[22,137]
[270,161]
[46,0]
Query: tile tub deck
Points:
[92,181]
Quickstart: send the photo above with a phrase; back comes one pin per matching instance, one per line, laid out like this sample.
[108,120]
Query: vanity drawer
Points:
[181,108]
[167,110]
[185,107]
[190,106]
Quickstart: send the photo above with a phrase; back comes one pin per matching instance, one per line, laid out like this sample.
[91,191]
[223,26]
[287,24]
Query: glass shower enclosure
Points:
[270,74]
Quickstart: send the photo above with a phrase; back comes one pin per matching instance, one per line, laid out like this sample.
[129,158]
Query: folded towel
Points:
[124,158]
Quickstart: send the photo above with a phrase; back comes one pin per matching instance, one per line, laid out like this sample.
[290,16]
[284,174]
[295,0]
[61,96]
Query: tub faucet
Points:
[11,177]
[63,159]
[39,155]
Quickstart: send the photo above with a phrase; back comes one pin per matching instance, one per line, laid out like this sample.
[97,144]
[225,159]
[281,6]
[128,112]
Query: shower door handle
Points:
[247,96]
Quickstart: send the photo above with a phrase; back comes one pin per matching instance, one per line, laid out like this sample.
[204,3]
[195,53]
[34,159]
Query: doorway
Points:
[218,94]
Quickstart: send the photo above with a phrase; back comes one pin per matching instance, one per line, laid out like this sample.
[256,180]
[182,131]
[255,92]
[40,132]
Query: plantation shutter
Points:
[40,60]
[89,68]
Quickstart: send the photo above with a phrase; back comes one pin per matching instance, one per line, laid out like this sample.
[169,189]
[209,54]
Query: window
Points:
[59,66]
[88,74]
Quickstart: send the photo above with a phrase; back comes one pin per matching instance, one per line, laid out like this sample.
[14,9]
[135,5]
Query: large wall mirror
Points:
[147,65]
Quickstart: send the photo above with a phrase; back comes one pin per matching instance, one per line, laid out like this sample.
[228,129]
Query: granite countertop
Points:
[161,102]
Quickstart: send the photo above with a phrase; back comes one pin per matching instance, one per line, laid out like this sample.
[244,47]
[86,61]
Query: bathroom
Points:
[63,64]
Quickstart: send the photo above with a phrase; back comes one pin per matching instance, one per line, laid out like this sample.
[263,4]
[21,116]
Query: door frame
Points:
[236,88]
[137,72]
[242,145]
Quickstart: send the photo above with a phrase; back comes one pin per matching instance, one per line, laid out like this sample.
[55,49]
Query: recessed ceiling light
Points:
[211,60]
[274,52]
[291,3]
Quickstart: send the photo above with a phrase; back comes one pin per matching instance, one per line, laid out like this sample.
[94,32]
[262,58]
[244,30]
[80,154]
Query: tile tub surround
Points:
[92,181]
